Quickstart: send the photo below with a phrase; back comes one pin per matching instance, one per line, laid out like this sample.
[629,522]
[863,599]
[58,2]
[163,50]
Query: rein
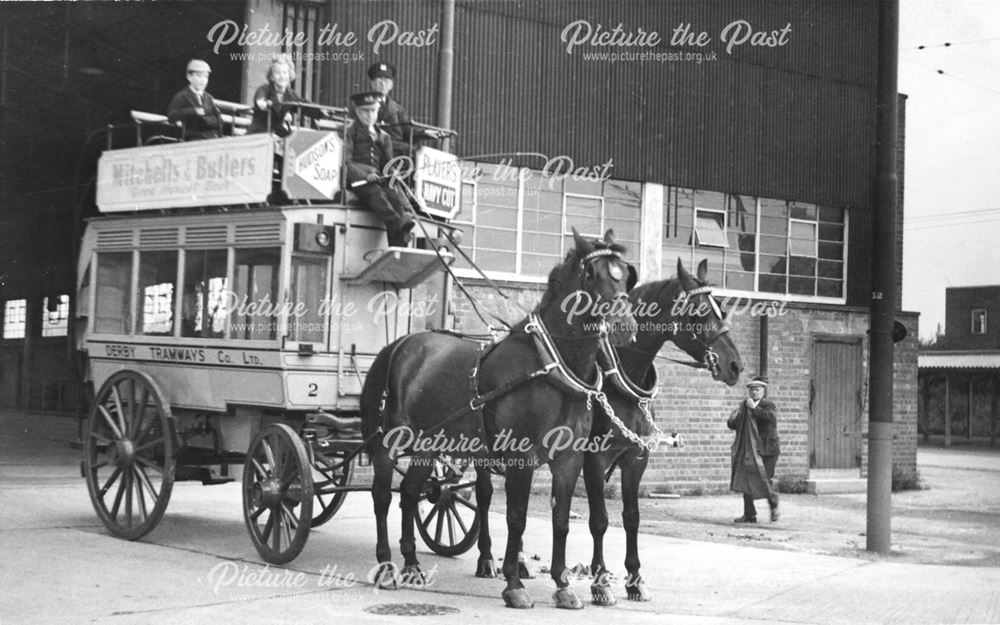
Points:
[553,368]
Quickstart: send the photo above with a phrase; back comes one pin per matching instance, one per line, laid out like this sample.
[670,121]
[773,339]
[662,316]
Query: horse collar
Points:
[621,381]
[553,363]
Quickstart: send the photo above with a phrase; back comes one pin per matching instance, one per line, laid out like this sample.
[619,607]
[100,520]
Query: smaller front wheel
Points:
[277,493]
[448,515]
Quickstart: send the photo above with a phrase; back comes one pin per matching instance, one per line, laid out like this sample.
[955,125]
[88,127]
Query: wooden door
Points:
[835,403]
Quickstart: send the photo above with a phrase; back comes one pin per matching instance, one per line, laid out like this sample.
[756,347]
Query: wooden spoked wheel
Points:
[447,513]
[330,472]
[129,454]
[277,493]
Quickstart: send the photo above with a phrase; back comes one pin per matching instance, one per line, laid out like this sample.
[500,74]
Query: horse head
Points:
[683,310]
[590,289]
[702,330]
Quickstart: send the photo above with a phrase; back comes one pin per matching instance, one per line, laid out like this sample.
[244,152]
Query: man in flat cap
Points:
[755,450]
[367,150]
[194,107]
[392,116]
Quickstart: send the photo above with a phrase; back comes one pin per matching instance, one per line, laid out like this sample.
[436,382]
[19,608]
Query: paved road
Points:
[58,565]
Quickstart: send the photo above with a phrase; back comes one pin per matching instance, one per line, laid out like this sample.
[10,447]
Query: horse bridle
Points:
[711,359]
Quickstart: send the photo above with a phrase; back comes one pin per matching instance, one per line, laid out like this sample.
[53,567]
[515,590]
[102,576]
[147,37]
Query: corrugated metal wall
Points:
[791,122]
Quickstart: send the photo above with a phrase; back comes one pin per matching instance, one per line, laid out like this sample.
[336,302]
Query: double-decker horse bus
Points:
[232,297]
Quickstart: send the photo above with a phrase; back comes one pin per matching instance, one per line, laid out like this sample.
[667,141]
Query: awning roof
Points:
[967,360]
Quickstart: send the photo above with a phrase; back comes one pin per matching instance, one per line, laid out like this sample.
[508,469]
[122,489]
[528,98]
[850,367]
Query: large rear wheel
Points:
[129,454]
[277,493]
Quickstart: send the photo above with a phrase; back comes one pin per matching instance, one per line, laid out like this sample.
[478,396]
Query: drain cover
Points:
[411,609]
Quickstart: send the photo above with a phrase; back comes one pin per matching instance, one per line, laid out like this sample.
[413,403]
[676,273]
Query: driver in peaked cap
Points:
[194,107]
[367,151]
[392,115]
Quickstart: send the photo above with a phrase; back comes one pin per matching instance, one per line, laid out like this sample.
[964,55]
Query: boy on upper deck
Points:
[194,107]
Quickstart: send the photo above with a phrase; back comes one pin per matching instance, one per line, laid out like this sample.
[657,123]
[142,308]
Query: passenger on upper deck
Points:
[392,116]
[194,107]
[275,97]
[367,150]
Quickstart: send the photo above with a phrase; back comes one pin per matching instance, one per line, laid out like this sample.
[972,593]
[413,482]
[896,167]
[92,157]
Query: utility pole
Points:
[884,290]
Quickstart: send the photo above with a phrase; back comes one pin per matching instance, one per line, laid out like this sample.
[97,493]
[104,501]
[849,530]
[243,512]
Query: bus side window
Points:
[112,304]
[156,292]
[203,306]
[255,294]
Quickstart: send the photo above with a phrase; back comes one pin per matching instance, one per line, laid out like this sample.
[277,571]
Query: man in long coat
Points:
[755,450]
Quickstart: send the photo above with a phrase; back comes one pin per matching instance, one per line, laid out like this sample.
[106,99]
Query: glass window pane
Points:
[774,226]
[801,286]
[831,214]
[585,214]
[802,266]
[55,316]
[309,291]
[773,245]
[831,251]
[710,228]
[255,289]
[831,232]
[113,306]
[803,240]
[771,283]
[500,260]
[678,216]
[710,199]
[739,280]
[206,294]
[155,292]
[802,211]
[830,288]
[777,209]
[831,269]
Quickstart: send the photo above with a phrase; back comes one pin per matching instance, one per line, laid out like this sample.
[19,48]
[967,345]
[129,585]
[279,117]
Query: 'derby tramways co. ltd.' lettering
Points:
[185,354]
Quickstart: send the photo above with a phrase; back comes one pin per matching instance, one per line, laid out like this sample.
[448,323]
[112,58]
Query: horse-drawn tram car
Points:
[231,300]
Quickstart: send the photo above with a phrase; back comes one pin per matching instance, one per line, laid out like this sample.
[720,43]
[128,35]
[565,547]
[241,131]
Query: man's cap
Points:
[757,381]
[381,70]
[366,98]
[196,65]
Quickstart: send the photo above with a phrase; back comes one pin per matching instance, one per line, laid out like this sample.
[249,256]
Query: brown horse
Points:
[521,402]
[680,310]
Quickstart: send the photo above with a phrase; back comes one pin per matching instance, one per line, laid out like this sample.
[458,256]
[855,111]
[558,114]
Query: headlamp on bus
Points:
[314,238]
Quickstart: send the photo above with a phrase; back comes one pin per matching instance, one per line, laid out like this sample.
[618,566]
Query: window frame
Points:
[22,322]
[672,201]
[972,327]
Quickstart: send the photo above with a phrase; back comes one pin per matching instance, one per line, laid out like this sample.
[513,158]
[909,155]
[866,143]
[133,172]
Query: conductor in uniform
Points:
[194,107]
[367,150]
[392,116]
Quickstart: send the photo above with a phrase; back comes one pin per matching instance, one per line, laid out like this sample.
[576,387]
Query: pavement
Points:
[59,565]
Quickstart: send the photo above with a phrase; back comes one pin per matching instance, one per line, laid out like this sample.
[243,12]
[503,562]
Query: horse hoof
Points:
[525,571]
[636,590]
[412,575]
[566,599]
[486,568]
[517,598]
[384,576]
[602,595]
